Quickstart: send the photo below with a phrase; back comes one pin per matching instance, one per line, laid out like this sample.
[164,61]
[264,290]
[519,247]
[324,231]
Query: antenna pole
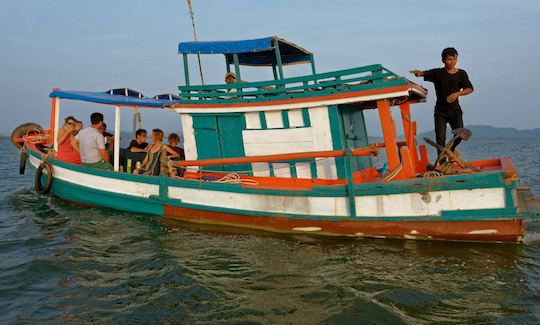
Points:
[195,38]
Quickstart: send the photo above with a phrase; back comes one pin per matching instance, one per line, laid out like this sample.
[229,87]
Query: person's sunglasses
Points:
[71,123]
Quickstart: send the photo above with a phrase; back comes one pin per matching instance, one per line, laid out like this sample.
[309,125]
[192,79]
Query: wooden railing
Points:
[367,77]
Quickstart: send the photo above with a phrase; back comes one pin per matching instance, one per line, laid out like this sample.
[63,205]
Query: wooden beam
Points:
[278,157]
[389,134]
[410,132]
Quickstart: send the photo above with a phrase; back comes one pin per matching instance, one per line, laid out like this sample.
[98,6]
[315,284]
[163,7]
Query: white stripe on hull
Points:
[307,205]
[392,205]
[408,204]
[142,190]
[429,203]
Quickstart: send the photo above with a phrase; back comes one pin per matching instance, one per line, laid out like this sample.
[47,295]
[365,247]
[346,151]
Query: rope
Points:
[393,174]
[234,178]
[431,174]
[36,138]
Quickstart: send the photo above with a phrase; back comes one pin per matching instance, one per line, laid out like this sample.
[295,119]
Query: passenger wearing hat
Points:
[230,78]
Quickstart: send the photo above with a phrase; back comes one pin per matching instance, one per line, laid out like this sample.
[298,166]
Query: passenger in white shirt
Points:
[91,144]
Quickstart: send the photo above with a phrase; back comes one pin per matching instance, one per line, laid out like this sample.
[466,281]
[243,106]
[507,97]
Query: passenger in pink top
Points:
[66,135]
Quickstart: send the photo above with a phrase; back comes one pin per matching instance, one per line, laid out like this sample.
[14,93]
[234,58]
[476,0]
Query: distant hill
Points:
[491,132]
[478,131]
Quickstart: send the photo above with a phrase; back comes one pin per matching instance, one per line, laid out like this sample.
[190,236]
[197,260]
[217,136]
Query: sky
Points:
[98,45]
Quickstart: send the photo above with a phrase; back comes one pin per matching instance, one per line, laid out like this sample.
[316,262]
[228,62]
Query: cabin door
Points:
[355,134]
[220,137]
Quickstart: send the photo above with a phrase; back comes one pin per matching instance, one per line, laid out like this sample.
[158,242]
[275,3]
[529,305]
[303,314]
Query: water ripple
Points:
[61,263]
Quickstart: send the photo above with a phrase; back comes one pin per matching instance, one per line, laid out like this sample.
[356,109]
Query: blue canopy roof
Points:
[258,52]
[107,98]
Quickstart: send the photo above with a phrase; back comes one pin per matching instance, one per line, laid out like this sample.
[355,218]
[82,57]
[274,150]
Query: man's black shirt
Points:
[446,84]
[135,144]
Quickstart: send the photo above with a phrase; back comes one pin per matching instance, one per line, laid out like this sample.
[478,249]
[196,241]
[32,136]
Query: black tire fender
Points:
[37,184]
[22,161]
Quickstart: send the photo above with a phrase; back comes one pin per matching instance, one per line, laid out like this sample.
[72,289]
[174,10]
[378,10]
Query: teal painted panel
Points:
[355,134]
[207,139]
[336,129]
[305,116]
[230,140]
[419,185]
[204,122]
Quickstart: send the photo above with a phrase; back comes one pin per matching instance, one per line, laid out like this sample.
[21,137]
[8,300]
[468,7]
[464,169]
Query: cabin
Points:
[317,112]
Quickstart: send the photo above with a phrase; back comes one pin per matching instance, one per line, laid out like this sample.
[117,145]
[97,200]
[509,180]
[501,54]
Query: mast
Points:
[195,38]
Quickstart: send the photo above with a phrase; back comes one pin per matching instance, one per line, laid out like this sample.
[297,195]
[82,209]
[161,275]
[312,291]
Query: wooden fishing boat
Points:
[292,155]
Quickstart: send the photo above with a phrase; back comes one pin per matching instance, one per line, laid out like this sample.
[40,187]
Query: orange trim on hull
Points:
[484,231]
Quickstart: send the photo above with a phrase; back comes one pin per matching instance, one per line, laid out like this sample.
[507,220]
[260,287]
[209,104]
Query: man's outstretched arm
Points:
[417,73]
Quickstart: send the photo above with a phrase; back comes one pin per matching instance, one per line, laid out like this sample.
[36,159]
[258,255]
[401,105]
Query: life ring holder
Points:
[37,184]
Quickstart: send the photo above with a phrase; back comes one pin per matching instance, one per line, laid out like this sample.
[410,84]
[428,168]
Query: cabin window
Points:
[284,119]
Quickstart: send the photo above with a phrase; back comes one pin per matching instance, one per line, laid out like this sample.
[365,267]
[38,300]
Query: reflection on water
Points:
[63,263]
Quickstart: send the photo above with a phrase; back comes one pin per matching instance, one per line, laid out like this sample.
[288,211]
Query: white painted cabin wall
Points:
[190,146]
[317,137]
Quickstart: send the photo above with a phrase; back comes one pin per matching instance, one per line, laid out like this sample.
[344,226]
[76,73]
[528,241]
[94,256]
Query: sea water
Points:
[61,263]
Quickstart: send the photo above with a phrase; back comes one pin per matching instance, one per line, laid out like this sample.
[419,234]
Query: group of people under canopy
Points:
[92,146]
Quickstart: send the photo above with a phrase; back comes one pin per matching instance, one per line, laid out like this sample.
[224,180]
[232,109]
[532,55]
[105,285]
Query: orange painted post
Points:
[389,134]
[54,104]
[407,166]
[409,128]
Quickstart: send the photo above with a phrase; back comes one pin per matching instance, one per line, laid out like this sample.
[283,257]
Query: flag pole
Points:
[195,38]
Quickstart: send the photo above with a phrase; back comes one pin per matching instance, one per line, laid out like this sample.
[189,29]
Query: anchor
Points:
[447,157]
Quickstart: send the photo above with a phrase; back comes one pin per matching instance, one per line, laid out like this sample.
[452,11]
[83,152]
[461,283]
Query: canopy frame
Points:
[269,51]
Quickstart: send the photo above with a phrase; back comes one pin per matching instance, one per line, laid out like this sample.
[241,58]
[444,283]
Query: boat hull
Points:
[485,230]
[282,212]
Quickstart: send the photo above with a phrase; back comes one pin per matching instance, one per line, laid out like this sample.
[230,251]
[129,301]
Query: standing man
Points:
[91,144]
[450,83]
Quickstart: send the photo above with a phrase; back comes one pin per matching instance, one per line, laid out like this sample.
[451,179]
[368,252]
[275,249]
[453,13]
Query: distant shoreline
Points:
[478,131]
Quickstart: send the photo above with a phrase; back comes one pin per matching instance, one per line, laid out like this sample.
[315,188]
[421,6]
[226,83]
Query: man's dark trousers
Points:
[442,117]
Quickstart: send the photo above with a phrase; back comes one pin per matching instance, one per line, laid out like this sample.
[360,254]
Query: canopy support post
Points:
[274,71]
[134,128]
[312,62]
[237,67]
[227,65]
[186,69]
[278,58]
[116,138]
[55,119]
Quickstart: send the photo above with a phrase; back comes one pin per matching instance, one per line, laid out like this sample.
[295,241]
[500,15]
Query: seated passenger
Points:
[230,78]
[66,136]
[173,143]
[91,144]
[139,144]
[78,126]
[156,156]
[109,137]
